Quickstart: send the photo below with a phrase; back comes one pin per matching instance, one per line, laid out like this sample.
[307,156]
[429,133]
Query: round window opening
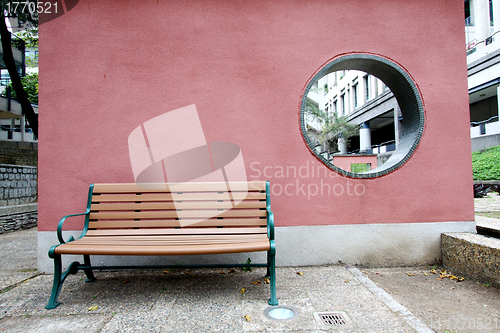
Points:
[362,115]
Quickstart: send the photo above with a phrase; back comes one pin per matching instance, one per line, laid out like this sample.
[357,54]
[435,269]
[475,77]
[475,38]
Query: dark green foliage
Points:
[30,85]
[486,164]
[333,126]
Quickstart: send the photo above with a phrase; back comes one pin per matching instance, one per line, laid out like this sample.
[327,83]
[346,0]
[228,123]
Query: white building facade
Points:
[482,35]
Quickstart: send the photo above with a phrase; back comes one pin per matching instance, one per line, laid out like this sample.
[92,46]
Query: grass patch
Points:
[486,164]
[360,167]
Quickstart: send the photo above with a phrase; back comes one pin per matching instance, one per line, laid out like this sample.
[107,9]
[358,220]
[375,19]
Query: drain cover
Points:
[332,318]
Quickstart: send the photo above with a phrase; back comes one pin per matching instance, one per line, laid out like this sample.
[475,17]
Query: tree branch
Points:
[8,59]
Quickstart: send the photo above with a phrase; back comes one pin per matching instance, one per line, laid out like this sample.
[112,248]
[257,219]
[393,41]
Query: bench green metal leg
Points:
[268,273]
[272,276]
[59,278]
[88,271]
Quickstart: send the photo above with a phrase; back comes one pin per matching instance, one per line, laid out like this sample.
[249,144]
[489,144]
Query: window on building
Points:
[342,100]
[355,94]
[467,10]
[492,18]
[366,81]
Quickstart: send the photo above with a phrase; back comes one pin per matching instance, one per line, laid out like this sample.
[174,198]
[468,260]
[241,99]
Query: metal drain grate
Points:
[332,318]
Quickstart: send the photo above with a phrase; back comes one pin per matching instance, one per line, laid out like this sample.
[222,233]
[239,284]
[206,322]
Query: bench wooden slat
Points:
[180,187]
[173,239]
[177,223]
[175,214]
[183,231]
[178,197]
[130,249]
[177,205]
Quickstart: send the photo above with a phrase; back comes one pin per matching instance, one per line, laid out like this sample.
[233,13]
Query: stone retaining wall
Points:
[18,217]
[18,197]
[18,185]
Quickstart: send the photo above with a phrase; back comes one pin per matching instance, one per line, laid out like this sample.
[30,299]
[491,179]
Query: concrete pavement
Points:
[209,300]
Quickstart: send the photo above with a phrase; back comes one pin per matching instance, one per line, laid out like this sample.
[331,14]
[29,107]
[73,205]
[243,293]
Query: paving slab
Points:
[201,300]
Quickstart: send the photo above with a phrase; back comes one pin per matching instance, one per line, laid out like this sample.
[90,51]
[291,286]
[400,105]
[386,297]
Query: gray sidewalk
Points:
[210,300]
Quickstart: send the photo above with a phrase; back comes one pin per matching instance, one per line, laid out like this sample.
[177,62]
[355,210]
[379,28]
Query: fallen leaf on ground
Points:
[426,274]
[266,281]
[242,291]
[460,279]
[93,307]
[410,274]
[247,317]
[166,272]
[222,272]
[433,271]
[300,273]
[440,279]
[232,270]
[257,282]
[346,281]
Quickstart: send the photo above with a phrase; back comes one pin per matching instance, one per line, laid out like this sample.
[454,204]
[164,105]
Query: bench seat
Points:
[170,219]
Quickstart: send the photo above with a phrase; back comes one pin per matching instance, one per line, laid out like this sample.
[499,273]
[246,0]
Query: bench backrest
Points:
[186,205]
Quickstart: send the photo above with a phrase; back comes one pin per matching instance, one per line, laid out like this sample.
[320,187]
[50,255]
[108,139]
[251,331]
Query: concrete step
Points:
[488,226]
[473,255]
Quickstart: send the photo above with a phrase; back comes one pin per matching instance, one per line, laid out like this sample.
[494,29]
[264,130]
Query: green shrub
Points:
[360,167]
[486,164]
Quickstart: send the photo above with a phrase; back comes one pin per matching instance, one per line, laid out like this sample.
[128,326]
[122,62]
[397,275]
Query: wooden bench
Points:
[170,219]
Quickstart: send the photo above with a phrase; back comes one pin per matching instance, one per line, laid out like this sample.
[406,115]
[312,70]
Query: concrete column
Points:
[396,125]
[12,128]
[482,21]
[365,139]
[342,145]
[498,102]
[23,128]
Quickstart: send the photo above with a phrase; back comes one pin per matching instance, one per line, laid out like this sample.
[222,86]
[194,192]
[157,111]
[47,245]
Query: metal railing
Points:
[482,124]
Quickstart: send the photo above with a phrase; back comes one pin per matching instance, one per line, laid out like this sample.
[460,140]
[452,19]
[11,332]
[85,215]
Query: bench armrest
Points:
[85,226]
[270,214]
[60,226]
[270,223]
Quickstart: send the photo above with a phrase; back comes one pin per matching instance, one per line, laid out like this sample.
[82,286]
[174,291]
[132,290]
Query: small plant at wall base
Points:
[333,126]
[486,164]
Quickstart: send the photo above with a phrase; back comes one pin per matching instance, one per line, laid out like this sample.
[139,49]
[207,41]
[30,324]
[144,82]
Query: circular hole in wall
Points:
[348,101]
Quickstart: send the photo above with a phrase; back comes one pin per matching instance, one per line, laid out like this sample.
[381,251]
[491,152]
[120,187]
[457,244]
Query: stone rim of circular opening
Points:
[406,93]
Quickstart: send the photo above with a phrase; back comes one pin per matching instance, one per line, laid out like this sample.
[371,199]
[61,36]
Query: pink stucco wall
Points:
[106,67]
